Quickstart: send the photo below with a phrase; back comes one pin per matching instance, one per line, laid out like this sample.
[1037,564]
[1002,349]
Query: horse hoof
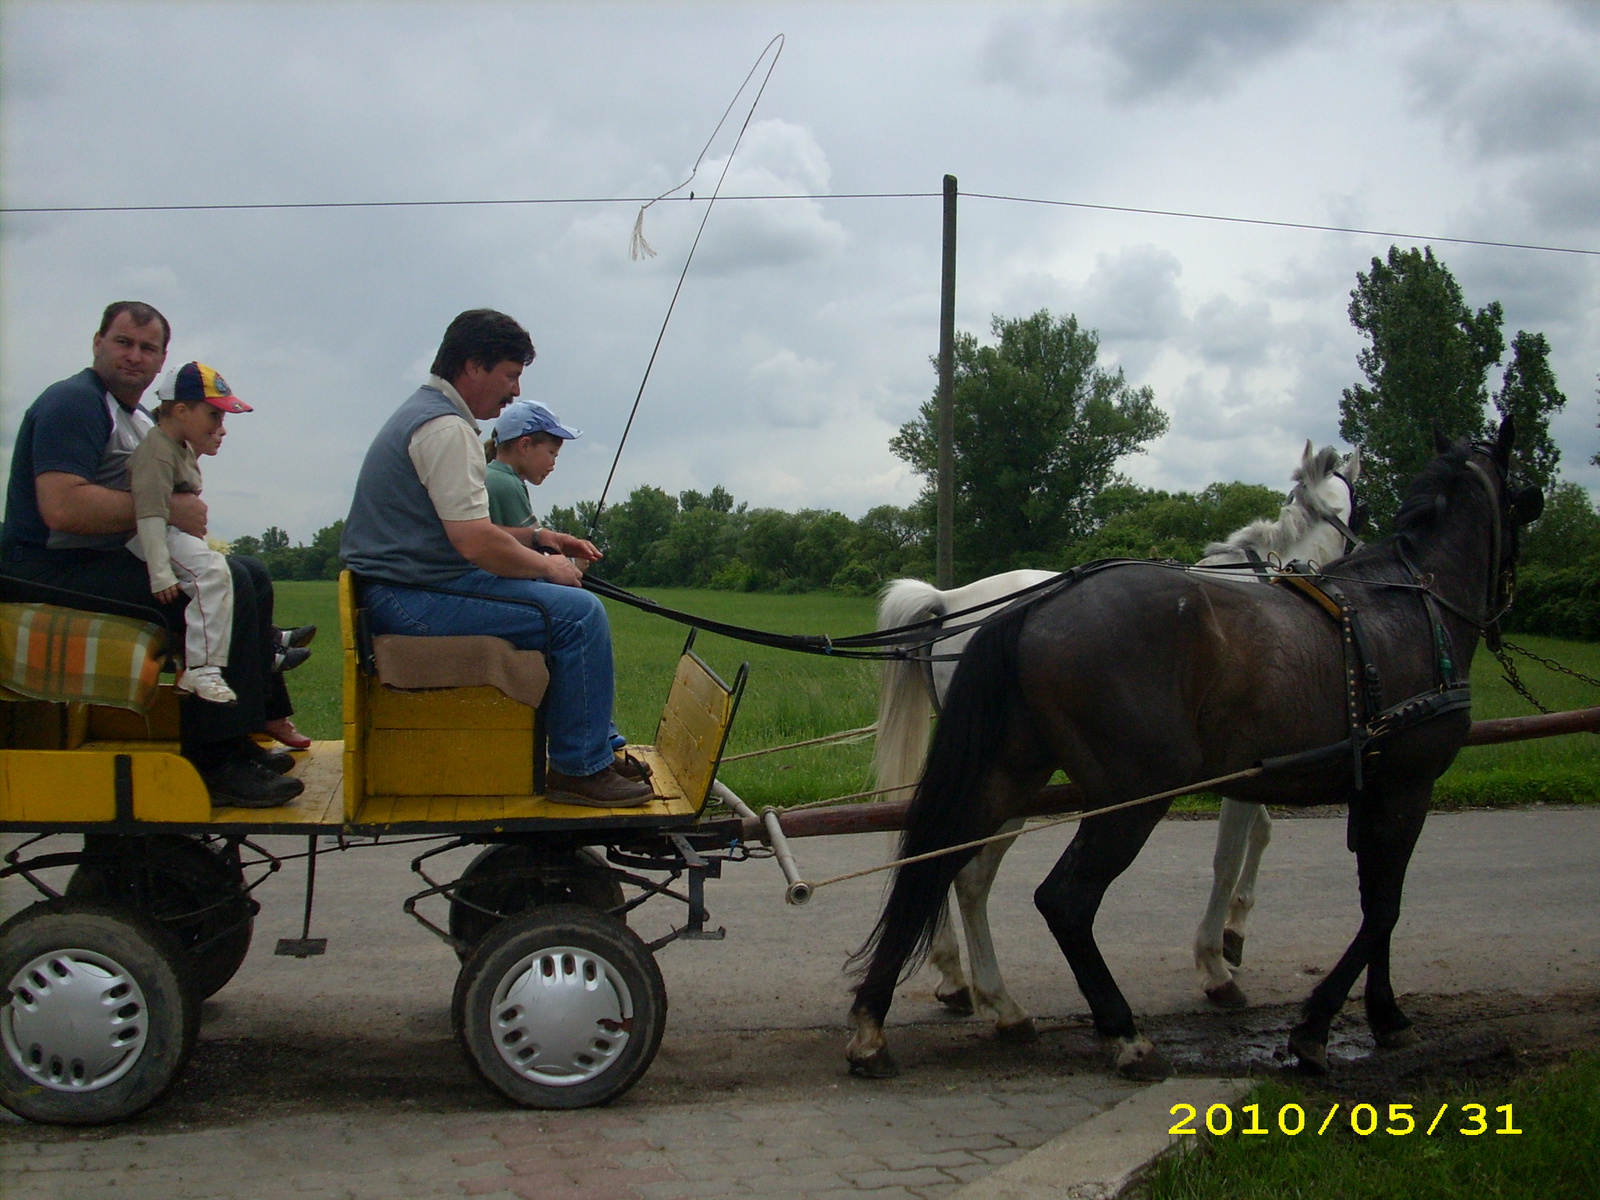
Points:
[875,1066]
[958,1001]
[1313,1056]
[1153,1068]
[1395,1039]
[1232,947]
[1138,1058]
[1018,1033]
[1229,995]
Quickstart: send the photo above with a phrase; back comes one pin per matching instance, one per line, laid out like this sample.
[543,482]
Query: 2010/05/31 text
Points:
[1364,1120]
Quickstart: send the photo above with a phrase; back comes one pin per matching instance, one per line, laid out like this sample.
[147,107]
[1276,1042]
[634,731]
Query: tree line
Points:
[1040,428]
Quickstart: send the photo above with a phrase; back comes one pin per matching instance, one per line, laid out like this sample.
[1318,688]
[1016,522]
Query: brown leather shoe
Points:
[604,789]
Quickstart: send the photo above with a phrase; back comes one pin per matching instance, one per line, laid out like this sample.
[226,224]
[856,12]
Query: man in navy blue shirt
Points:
[69,516]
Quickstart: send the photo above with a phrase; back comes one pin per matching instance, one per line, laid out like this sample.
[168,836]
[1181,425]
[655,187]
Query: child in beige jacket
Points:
[188,424]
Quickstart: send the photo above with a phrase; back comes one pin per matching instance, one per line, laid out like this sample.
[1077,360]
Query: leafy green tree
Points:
[1039,429]
[1567,532]
[1529,393]
[245,545]
[700,541]
[1425,367]
[324,560]
[767,547]
[822,549]
[578,520]
[886,542]
[628,530]
[274,539]
[719,500]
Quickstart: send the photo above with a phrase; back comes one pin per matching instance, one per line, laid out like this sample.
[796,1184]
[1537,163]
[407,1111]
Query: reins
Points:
[901,642]
[897,643]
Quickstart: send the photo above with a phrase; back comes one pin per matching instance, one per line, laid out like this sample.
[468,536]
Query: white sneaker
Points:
[206,683]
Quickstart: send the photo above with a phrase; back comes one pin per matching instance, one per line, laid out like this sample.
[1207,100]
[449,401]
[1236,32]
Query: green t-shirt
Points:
[508,496]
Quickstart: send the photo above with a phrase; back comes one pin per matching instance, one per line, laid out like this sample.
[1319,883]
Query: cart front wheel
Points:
[561,1008]
[97,1020]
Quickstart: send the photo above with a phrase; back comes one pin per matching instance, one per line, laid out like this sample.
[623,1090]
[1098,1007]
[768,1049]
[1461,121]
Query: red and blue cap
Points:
[194,382]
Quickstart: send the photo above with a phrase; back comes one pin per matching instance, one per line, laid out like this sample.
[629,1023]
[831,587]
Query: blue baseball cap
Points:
[522,417]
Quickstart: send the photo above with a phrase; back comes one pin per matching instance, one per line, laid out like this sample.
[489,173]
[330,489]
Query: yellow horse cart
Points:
[558,1003]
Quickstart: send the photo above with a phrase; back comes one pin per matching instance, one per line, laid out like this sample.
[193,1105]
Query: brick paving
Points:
[889,1147]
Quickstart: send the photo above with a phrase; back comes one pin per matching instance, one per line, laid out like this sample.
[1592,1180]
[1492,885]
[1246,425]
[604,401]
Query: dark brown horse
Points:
[1138,678]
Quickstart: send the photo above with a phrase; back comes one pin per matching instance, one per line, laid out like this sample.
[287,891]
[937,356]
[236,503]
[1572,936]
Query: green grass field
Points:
[792,697]
[1555,1155]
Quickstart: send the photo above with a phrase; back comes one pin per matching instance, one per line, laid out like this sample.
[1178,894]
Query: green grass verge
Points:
[792,697]
[1563,770]
[1555,1156]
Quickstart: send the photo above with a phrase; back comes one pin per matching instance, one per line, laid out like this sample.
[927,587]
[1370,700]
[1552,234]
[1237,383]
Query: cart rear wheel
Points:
[192,890]
[98,1018]
[561,1008]
[506,880]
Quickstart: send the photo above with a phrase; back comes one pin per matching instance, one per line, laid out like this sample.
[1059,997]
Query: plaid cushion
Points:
[63,654]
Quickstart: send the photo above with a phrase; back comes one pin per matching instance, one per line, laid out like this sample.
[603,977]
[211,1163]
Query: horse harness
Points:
[1362,681]
[1367,719]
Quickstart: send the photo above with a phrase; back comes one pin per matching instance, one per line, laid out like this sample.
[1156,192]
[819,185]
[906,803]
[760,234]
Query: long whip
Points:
[639,244]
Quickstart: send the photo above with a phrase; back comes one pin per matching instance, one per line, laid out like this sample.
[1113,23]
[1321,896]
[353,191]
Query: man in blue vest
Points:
[433,563]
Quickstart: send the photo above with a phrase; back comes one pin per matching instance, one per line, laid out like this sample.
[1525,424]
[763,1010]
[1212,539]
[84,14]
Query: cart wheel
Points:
[492,881]
[98,1018]
[193,891]
[560,1008]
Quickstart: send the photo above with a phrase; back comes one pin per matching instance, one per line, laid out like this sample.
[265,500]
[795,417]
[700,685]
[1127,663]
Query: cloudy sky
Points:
[802,336]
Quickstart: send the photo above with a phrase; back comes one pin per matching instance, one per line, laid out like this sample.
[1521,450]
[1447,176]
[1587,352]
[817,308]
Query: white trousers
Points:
[203,576]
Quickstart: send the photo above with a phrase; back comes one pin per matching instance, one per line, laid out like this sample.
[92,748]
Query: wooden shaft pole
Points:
[887,815]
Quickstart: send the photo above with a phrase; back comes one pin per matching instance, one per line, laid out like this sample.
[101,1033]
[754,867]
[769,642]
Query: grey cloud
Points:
[1132,300]
[1563,193]
[792,392]
[1147,50]
[1238,335]
[1024,53]
[1545,97]
[1196,48]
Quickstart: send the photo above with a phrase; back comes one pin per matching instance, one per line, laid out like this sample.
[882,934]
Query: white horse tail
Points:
[904,705]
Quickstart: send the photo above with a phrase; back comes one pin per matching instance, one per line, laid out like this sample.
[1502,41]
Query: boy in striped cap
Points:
[188,424]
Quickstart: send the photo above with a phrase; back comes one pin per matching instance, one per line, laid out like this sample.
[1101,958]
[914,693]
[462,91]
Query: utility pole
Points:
[944,546]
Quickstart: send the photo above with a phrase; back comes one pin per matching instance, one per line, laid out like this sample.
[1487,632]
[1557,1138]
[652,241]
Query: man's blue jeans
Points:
[576,644]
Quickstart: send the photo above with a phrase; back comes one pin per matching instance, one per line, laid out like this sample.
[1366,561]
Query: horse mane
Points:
[1424,503]
[1274,535]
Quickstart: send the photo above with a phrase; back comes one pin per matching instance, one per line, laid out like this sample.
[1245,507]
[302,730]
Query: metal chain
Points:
[1509,671]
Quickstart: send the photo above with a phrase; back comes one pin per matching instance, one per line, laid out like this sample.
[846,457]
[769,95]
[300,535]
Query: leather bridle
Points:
[1347,530]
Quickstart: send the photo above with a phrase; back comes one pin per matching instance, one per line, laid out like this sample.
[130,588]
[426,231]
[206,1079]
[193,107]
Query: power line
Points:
[1383,233]
[551,200]
[569,200]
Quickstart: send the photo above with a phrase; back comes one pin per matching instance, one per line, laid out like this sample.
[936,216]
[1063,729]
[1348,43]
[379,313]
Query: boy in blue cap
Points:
[527,439]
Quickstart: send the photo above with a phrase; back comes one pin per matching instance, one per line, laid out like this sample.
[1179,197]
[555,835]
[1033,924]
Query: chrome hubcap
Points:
[561,1016]
[76,1021]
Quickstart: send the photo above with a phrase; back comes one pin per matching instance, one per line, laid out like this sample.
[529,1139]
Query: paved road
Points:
[336,1076]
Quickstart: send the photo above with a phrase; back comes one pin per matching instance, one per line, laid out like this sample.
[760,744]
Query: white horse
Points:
[1314,526]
